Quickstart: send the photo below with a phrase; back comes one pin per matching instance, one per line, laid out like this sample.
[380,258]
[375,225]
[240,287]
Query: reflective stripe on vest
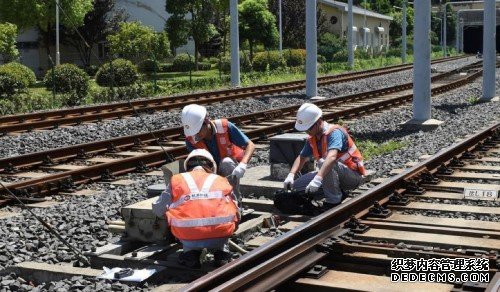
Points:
[195,194]
[352,158]
[201,221]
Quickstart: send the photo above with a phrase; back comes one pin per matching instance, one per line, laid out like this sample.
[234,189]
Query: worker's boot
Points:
[190,259]
[221,258]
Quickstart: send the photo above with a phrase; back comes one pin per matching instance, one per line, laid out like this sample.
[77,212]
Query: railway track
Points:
[429,213]
[63,169]
[54,119]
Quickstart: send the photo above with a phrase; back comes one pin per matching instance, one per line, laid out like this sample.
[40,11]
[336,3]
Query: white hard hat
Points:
[203,153]
[192,118]
[307,115]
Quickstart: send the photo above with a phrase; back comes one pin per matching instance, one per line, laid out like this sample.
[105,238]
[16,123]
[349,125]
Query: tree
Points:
[257,24]
[137,42]
[396,27]
[41,14]
[97,25]
[198,26]
[8,35]
[294,22]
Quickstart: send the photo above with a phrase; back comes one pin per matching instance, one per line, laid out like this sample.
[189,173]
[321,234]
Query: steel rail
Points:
[50,119]
[64,180]
[284,257]
[9,164]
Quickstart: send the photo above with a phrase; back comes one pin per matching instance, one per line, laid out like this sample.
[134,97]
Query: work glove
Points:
[288,183]
[314,185]
[239,170]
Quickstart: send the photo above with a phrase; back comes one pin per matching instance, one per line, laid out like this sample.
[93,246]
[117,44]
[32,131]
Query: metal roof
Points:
[356,10]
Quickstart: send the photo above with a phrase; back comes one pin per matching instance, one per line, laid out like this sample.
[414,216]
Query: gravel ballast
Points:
[39,141]
[81,220]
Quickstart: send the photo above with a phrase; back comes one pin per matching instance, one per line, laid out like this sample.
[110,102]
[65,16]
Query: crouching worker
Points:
[200,209]
[339,162]
[230,148]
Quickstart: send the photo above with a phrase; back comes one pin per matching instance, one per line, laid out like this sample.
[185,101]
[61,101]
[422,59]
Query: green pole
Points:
[190,73]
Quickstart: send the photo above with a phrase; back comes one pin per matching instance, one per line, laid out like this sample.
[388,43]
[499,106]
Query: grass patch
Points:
[371,149]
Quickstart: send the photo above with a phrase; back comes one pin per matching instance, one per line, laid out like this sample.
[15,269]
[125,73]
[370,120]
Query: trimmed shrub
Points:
[204,66]
[330,44]
[9,85]
[245,64]
[119,72]
[183,63]
[148,66]
[71,80]
[295,57]
[91,70]
[264,60]
[119,93]
[340,56]
[19,72]
[361,54]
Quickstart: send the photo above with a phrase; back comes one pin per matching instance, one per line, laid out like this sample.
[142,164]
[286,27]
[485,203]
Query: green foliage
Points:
[134,41]
[295,57]
[340,56]
[9,85]
[361,54]
[20,72]
[119,93]
[329,44]
[473,100]
[183,63]
[370,149]
[148,66]
[245,63]
[204,66]
[29,13]
[70,80]
[119,72]
[267,61]
[161,45]
[26,102]
[8,35]
[91,70]
[257,24]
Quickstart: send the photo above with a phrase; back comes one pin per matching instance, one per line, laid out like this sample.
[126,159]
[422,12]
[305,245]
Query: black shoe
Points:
[344,195]
[190,259]
[221,258]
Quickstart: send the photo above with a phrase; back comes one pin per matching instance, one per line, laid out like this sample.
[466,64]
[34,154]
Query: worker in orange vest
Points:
[230,148]
[200,209]
[340,163]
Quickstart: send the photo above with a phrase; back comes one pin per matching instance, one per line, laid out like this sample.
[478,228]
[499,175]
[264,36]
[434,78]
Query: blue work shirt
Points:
[336,140]
[236,137]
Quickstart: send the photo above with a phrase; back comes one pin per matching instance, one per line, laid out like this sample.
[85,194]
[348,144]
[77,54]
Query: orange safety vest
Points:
[352,158]
[226,148]
[201,213]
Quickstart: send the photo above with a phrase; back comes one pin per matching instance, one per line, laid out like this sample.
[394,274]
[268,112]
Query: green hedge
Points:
[295,57]
[70,80]
[271,60]
[148,66]
[119,72]
[15,77]
[183,63]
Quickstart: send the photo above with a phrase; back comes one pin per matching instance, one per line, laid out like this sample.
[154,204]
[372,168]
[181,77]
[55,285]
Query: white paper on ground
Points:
[137,276]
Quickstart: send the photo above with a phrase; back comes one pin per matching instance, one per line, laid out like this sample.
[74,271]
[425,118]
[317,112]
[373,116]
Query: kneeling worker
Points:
[200,210]
[230,148]
[339,162]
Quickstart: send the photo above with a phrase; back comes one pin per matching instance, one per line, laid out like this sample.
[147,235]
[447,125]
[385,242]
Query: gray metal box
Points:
[286,147]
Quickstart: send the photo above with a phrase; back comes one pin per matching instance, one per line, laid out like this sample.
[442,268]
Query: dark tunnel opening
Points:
[473,39]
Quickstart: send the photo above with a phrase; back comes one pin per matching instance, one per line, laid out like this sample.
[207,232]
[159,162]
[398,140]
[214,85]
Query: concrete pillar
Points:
[58,53]
[281,29]
[489,50]
[444,30]
[350,49]
[457,33]
[311,49]
[422,68]
[235,44]
[403,40]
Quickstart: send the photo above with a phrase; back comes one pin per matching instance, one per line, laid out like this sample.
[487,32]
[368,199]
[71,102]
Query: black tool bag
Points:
[295,202]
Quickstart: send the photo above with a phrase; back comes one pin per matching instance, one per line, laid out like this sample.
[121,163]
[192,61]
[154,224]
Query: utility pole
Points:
[489,50]
[444,29]
[281,31]
[403,40]
[235,45]
[58,54]
[311,50]
[350,50]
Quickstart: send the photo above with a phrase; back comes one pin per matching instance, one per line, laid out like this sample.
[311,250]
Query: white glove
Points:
[239,170]
[314,185]
[288,183]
